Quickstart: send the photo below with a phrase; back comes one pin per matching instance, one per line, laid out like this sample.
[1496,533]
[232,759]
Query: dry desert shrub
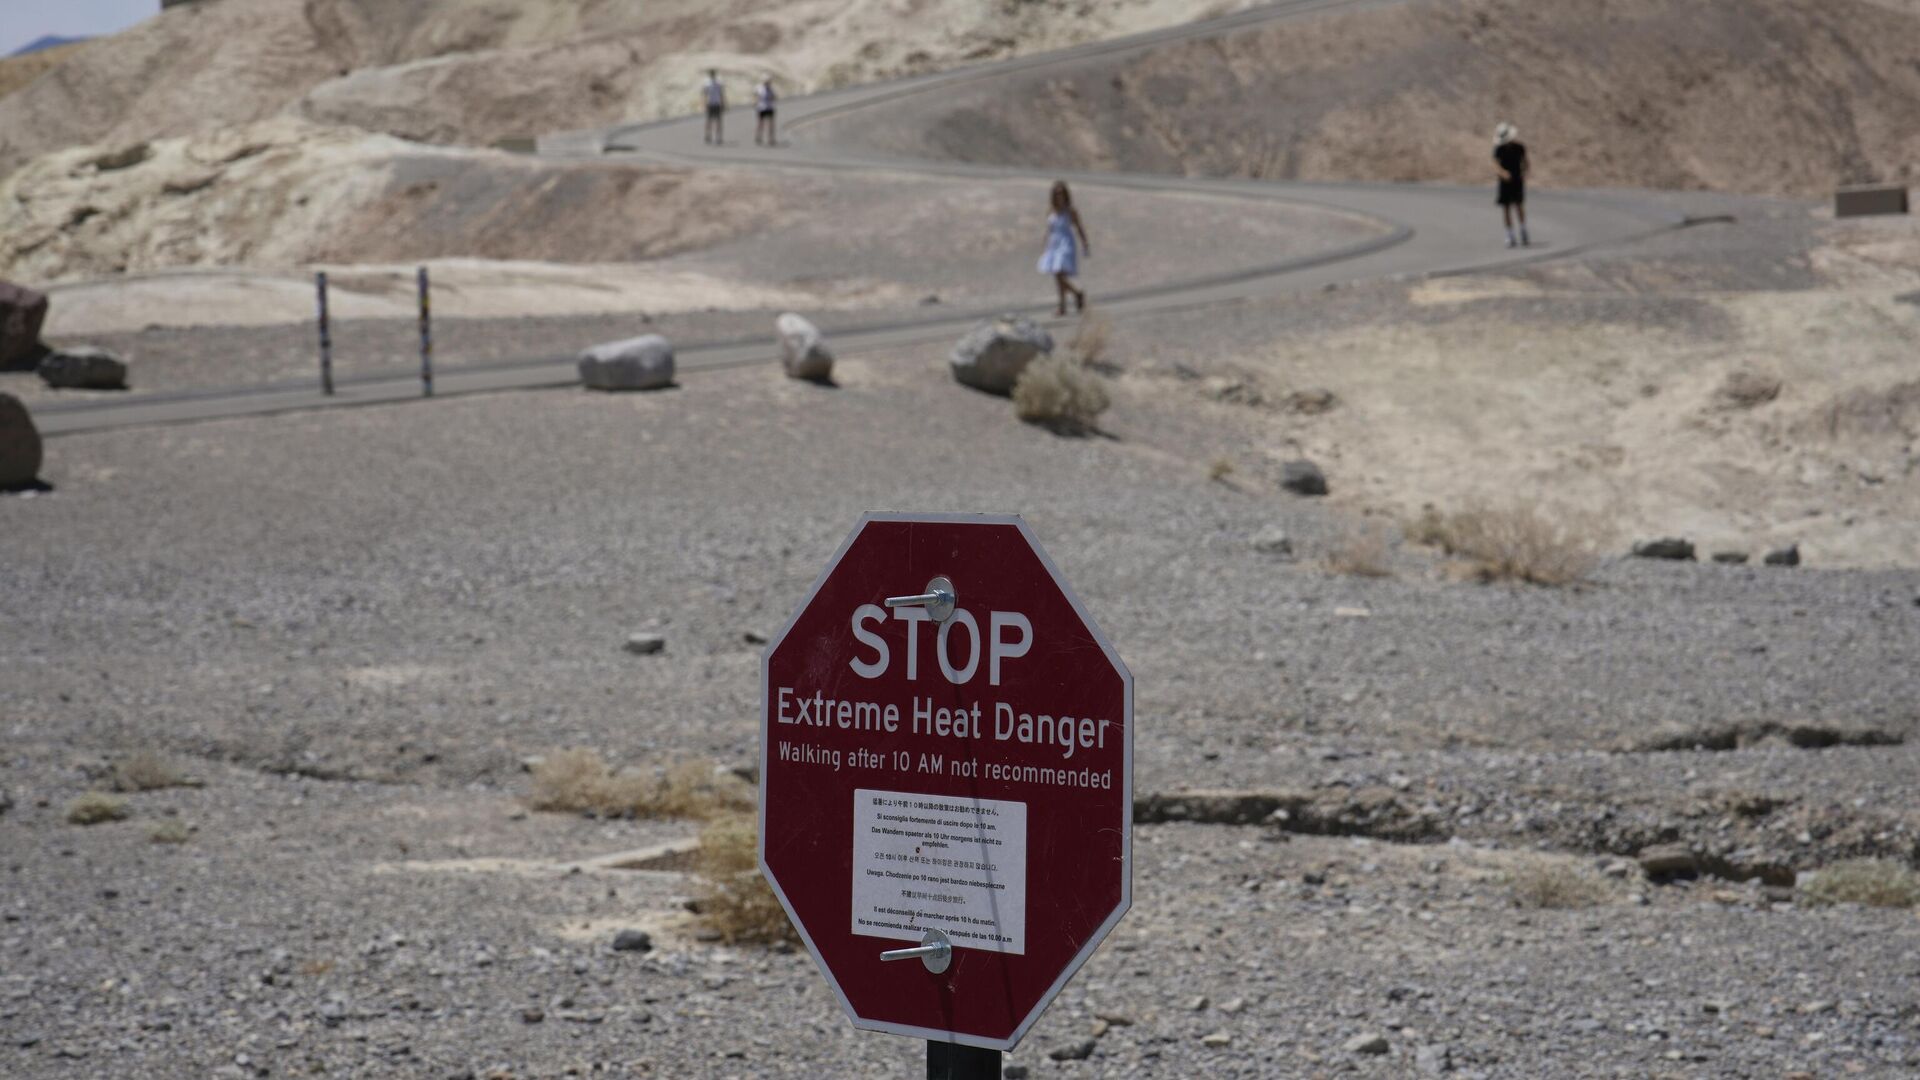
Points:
[1059,393]
[147,771]
[1090,340]
[1872,882]
[1555,886]
[170,831]
[1364,552]
[1219,469]
[1513,544]
[580,781]
[95,807]
[736,902]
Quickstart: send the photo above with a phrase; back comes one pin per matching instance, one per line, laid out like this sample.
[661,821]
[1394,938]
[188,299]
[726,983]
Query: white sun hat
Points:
[1504,134]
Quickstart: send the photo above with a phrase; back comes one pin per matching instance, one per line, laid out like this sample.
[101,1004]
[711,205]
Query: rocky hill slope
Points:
[475,70]
[1762,96]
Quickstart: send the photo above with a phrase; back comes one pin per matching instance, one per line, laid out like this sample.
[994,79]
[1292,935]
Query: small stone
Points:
[753,637]
[1433,1059]
[532,1015]
[1273,540]
[1235,1005]
[1116,1019]
[1670,547]
[83,367]
[1366,1044]
[1216,1039]
[633,941]
[1815,1008]
[1786,556]
[645,644]
[1079,1051]
[1668,860]
[1311,402]
[1303,477]
[1730,558]
[1746,389]
[1199,1002]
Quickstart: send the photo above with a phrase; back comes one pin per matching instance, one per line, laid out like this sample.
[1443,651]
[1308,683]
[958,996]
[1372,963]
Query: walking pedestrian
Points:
[1061,257]
[715,96]
[1510,162]
[763,100]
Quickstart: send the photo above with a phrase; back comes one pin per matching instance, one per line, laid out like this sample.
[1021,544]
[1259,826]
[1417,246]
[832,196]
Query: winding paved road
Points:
[1431,230]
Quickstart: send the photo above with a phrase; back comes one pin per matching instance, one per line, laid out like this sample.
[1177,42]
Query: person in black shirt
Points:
[1510,162]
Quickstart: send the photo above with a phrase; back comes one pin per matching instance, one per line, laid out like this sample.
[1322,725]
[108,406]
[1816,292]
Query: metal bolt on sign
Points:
[938,599]
[934,949]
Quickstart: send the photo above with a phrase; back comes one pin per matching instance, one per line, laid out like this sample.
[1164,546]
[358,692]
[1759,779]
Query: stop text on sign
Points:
[1000,647]
[1009,637]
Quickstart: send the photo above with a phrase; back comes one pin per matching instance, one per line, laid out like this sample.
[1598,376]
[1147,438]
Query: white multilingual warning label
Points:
[936,862]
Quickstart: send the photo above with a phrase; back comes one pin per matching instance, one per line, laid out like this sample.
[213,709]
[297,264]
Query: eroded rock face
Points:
[20,449]
[992,355]
[803,350]
[83,367]
[22,312]
[642,363]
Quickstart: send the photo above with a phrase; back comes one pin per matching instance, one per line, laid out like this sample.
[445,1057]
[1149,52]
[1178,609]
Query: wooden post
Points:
[426,337]
[326,340]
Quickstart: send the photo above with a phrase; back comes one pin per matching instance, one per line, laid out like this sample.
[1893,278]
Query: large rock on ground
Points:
[803,351]
[22,312]
[19,445]
[83,367]
[992,355]
[642,363]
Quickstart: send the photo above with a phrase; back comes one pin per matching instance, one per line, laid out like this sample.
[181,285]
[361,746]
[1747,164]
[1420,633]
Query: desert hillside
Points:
[1762,96]
[475,70]
[285,191]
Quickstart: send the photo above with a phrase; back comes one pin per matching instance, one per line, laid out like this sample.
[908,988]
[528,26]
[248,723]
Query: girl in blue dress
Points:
[1061,258]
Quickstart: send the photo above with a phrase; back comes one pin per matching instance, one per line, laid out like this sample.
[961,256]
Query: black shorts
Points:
[714,112]
[765,113]
[1512,193]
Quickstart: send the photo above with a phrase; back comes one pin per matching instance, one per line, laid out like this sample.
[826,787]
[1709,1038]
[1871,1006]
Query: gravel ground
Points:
[357,624]
[354,626]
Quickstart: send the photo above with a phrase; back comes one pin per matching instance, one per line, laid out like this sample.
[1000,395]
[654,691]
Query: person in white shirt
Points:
[715,96]
[763,99]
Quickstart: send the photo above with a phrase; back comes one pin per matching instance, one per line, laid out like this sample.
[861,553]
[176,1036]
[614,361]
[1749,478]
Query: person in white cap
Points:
[1510,162]
[763,100]
[715,96]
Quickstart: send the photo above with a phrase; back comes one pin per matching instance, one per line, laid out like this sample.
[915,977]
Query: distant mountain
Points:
[48,41]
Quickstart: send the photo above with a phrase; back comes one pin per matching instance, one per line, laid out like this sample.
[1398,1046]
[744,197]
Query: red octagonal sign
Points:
[958,771]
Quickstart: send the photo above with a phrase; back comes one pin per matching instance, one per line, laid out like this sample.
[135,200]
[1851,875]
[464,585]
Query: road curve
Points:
[1430,230]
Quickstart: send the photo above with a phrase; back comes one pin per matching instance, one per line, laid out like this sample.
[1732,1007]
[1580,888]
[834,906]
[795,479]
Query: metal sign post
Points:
[426,337]
[946,750]
[952,1061]
[326,341]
